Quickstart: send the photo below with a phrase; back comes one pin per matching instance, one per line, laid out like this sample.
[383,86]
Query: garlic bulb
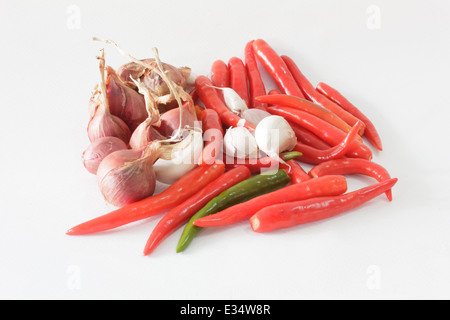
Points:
[274,135]
[240,143]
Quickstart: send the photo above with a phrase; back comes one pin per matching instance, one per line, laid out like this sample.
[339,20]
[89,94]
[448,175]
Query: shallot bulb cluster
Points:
[129,130]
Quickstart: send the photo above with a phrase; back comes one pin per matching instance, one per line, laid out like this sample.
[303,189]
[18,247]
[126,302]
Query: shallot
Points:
[254,116]
[103,123]
[127,176]
[99,149]
[151,79]
[125,103]
[170,120]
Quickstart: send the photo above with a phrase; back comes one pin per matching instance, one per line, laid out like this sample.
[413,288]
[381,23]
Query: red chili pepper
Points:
[184,211]
[198,111]
[212,135]
[335,96]
[297,173]
[208,95]
[324,186]
[257,165]
[307,137]
[220,75]
[307,106]
[352,166]
[274,91]
[311,93]
[276,67]
[194,95]
[314,156]
[256,85]
[238,78]
[322,129]
[298,212]
[175,194]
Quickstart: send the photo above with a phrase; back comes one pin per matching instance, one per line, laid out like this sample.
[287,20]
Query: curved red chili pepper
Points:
[311,93]
[238,78]
[307,137]
[296,172]
[325,186]
[208,95]
[314,156]
[256,85]
[352,166]
[334,95]
[298,212]
[307,106]
[212,135]
[276,67]
[322,129]
[178,192]
[184,211]
[257,165]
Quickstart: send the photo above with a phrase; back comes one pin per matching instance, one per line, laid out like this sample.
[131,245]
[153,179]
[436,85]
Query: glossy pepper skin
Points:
[276,67]
[322,129]
[212,136]
[311,94]
[314,156]
[184,211]
[241,192]
[220,75]
[262,164]
[371,132]
[178,192]
[298,212]
[307,137]
[256,86]
[331,185]
[297,173]
[352,166]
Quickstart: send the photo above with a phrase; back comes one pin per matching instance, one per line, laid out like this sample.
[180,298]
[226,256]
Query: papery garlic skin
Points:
[240,143]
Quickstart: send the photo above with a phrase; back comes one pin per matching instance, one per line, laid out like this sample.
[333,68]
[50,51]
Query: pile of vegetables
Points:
[230,149]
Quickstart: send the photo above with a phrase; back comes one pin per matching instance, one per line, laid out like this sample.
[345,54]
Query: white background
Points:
[395,68]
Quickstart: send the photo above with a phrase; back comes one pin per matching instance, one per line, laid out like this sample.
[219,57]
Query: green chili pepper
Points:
[241,192]
[286,156]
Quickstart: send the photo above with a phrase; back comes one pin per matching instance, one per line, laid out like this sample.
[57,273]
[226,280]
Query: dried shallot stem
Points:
[102,66]
[153,112]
